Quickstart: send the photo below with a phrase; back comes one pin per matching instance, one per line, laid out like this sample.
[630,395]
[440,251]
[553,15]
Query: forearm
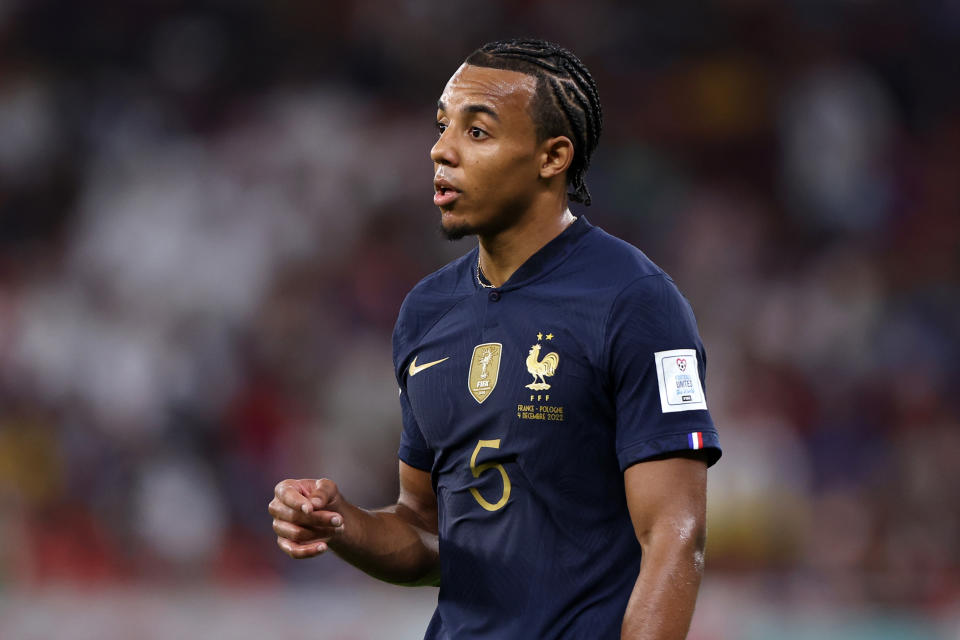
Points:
[390,544]
[663,598]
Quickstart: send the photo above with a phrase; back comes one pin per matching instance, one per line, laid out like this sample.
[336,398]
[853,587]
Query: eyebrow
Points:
[473,108]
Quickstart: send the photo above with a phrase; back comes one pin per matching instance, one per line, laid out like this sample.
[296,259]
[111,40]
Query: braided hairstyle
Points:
[566,102]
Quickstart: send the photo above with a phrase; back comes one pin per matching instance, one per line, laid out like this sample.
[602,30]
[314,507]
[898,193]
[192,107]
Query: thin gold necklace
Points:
[479,281]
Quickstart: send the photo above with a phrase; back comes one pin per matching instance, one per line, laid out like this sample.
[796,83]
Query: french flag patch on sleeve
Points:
[695,440]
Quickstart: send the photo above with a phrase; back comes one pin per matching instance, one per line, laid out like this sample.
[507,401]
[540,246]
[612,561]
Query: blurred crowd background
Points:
[211,210]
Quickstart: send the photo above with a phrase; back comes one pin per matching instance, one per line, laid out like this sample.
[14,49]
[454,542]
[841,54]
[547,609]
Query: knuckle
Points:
[277,510]
[302,535]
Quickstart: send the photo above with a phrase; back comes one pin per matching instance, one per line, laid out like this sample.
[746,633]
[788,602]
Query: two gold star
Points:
[540,336]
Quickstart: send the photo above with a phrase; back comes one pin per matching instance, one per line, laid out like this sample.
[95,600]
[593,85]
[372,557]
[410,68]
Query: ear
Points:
[556,154]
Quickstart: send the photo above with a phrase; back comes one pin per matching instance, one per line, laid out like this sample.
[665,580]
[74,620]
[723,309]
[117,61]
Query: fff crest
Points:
[484,370]
[541,368]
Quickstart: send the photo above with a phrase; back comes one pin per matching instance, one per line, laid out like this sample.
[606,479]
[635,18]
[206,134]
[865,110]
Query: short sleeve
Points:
[657,372]
[414,450]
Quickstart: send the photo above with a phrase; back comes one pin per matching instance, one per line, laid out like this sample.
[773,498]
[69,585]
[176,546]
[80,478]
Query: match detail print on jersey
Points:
[415,368]
[679,376]
[484,370]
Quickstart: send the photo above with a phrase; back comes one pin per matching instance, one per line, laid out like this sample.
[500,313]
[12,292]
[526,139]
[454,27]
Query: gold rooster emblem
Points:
[541,369]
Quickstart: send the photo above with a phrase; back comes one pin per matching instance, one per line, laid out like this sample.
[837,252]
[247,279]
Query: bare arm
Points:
[667,502]
[396,544]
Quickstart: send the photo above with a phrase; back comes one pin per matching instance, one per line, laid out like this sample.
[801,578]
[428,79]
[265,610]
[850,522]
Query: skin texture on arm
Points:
[396,544]
[667,502]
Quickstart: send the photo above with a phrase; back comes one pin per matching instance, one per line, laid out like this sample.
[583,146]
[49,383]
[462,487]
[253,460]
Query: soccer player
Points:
[555,436]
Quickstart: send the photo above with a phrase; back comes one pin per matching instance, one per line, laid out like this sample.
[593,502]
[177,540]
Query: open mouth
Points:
[444,196]
[444,193]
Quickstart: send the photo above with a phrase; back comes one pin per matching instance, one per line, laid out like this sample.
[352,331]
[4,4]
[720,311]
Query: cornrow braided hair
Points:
[566,102]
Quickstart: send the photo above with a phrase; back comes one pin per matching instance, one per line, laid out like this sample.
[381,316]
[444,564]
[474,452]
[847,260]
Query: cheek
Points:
[503,172]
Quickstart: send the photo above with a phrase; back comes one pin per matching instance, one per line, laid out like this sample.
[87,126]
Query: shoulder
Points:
[613,268]
[432,297]
[621,259]
[637,293]
[441,288]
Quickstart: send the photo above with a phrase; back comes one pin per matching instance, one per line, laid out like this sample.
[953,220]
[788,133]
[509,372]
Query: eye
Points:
[477,133]
[441,127]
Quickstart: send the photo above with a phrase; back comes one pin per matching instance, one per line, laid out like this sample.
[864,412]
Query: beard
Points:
[501,221]
[456,232]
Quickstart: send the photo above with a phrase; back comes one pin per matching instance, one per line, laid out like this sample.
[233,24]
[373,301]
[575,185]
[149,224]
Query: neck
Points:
[502,254]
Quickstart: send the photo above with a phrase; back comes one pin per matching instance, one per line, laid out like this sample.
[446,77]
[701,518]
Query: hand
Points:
[306,516]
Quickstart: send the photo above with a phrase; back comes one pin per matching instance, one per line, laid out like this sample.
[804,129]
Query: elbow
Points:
[430,580]
[697,534]
[426,577]
[683,537]
[699,551]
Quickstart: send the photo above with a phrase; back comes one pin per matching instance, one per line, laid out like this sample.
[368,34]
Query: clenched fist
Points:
[306,516]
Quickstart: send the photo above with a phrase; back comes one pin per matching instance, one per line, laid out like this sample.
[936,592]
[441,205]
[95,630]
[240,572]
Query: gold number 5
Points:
[477,470]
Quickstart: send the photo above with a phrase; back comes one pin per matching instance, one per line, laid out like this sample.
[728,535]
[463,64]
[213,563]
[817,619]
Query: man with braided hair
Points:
[572,506]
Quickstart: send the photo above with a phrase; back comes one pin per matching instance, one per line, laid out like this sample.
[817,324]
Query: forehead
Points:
[500,88]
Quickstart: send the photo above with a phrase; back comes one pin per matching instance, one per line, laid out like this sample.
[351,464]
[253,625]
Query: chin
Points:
[453,229]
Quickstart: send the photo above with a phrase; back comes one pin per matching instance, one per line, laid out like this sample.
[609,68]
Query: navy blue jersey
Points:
[526,403]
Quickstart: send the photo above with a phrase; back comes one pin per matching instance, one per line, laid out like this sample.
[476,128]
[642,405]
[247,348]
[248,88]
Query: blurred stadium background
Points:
[211,210]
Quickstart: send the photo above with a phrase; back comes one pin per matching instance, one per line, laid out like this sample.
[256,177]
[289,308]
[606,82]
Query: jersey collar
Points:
[550,256]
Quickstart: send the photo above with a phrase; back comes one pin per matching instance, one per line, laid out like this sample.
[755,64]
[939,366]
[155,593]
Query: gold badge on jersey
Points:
[541,368]
[484,370]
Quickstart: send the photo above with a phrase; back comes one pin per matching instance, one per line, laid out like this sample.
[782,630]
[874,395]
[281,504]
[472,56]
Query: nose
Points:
[443,151]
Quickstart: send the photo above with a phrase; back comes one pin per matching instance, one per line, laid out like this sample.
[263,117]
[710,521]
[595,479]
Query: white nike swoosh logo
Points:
[414,369]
